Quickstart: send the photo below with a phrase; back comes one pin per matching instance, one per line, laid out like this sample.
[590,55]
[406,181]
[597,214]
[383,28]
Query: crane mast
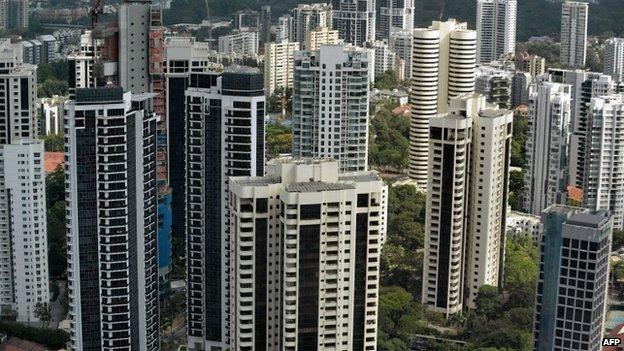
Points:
[96,9]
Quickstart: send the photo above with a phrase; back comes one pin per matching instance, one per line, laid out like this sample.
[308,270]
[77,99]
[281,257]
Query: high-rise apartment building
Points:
[385,59]
[320,36]
[246,19]
[18,96]
[443,66]
[283,29]
[111,221]
[394,15]
[604,187]
[81,63]
[224,132]
[331,105]
[242,43]
[39,51]
[614,58]
[469,150]
[574,17]
[50,50]
[307,17]
[3,15]
[496,29]
[183,56]
[495,85]
[520,83]
[355,21]
[570,304]
[264,27]
[15,13]
[305,248]
[24,272]
[278,65]
[134,46]
[531,64]
[546,175]
[584,86]
[400,43]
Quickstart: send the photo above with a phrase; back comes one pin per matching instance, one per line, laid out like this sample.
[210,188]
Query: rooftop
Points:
[99,95]
[493,113]
[257,181]
[588,219]
[359,177]
[317,187]
[241,69]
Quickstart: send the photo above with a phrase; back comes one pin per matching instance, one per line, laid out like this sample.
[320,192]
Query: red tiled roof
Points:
[53,160]
[401,110]
[617,332]
[575,194]
[16,344]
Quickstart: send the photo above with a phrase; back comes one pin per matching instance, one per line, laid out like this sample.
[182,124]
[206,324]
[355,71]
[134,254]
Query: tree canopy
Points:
[278,139]
[389,138]
[57,241]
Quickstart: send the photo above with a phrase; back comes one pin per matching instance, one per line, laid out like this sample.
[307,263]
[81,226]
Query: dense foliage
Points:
[503,318]
[57,242]
[518,141]
[618,240]
[389,138]
[516,184]
[535,17]
[54,142]
[400,312]
[52,338]
[388,80]
[280,101]
[401,262]
[278,139]
[52,79]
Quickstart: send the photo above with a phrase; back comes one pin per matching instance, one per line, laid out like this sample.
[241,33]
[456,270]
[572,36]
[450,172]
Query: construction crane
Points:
[442,7]
[96,9]
[209,19]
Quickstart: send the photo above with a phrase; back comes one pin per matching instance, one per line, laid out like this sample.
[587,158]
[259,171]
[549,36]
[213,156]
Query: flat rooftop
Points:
[587,219]
[317,187]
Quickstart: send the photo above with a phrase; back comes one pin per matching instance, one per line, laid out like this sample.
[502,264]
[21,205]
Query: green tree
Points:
[516,186]
[54,339]
[43,313]
[488,301]
[518,140]
[280,101]
[618,240]
[617,271]
[399,318]
[173,307]
[8,314]
[55,186]
[58,70]
[520,262]
[401,261]
[387,80]
[389,138]
[57,242]
[51,87]
[55,218]
[278,139]
[503,319]
[54,142]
